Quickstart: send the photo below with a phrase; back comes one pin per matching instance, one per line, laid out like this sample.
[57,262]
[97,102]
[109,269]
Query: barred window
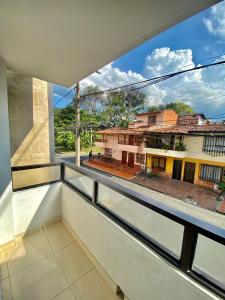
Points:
[210,173]
[159,163]
[140,158]
[214,145]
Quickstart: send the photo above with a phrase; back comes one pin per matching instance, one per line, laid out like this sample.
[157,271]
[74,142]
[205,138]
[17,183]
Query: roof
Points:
[117,130]
[185,129]
[188,119]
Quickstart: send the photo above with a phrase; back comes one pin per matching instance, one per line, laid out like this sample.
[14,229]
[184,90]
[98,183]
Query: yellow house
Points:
[191,153]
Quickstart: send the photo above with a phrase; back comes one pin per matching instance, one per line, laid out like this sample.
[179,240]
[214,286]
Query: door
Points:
[124,157]
[189,172]
[131,139]
[177,169]
[131,160]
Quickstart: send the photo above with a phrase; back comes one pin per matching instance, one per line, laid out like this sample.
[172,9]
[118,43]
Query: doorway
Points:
[124,157]
[177,169]
[189,172]
[131,160]
[131,139]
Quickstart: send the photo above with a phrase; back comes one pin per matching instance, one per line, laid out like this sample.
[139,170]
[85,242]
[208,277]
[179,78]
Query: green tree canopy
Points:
[180,108]
[123,105]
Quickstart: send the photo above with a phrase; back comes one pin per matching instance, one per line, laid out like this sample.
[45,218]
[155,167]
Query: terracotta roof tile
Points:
[184,129]
[117,130]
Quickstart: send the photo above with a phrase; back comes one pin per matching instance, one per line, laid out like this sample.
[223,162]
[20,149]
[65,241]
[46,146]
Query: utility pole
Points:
[77,124]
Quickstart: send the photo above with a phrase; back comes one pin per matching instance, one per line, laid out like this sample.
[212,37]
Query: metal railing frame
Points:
[192,226]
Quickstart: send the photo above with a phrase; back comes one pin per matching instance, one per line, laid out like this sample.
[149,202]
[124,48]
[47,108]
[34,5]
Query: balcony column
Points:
[6,216]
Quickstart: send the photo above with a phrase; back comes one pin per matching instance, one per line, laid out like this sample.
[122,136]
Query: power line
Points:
[72,88]
[154,80]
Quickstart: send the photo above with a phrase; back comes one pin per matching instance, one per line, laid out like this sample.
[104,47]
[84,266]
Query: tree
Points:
[93,103]
[180,108]
[123,105]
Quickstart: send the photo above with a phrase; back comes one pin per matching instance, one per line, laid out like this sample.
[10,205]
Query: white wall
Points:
[36,207]
[139,272]
[6,220]
[194,146]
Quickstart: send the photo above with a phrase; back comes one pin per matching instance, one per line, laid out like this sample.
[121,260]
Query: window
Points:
[140,158]
[159,163]
[151,119]
[121,139]
[214,145]
[108,152]
[210,173]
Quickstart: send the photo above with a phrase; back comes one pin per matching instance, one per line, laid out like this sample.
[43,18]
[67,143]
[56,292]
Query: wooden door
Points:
[124,157]
[131,139]
[189,172]
[177,169]
[131,160]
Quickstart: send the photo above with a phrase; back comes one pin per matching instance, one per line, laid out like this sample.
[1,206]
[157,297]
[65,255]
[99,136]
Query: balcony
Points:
[134,148]
[105,238]
[163,152]
[177,150]
[101,143]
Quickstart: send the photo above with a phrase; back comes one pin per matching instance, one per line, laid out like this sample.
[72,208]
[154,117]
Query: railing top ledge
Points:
[204,227]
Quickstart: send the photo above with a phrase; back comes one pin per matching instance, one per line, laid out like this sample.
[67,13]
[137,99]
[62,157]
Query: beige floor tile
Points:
[93,287]
[42,281]
[66,295]
[28,252]
[58,236]
[73,262]
[5,292]
[3,265]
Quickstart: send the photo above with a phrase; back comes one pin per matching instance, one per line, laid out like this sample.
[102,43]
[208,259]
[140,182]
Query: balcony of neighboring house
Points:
[101,142]
[165,145]
[82,235]
[130,143]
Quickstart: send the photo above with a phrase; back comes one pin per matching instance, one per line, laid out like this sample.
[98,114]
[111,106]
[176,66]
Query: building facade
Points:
[187,148]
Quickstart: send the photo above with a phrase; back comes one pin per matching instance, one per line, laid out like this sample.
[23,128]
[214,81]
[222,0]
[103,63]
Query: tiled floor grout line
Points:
[37,262]
[52,253]
[68,288]
[60,268]
[70,284]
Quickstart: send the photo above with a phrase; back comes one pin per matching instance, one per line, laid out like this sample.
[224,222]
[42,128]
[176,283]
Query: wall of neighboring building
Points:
[31,120]
[194,146]
[198,162]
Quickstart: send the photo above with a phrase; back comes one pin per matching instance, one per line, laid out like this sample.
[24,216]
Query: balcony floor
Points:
[50,264]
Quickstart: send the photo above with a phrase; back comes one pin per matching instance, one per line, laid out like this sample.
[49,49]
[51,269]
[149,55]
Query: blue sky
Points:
[195,39]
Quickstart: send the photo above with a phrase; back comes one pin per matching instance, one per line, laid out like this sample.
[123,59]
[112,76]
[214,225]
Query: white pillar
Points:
[6,215]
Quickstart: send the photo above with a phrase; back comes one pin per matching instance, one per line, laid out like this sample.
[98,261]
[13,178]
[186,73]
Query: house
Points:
[192,153]
[186,148]
[127,145]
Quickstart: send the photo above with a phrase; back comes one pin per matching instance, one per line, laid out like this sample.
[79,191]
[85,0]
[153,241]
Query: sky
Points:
[195,41]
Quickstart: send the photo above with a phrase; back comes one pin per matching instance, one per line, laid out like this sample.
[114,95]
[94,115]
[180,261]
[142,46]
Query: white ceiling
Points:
[63,41]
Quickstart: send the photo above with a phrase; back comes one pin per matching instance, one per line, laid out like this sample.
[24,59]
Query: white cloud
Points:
[190,88]
[215,23]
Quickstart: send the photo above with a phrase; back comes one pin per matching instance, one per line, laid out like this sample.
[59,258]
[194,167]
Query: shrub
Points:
[221,186]
[180,147]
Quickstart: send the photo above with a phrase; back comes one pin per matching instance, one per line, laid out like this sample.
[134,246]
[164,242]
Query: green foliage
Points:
[65,140]
[122,106]
[221,186]
[179,107]
[166,147]
[180,147]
